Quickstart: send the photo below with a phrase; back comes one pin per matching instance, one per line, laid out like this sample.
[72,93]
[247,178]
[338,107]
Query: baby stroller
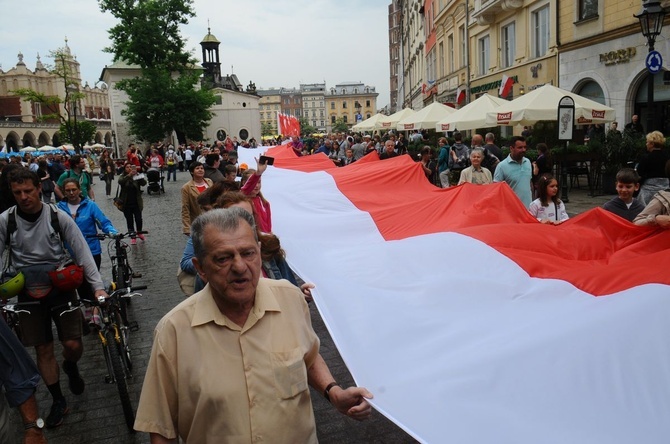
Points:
[155,181]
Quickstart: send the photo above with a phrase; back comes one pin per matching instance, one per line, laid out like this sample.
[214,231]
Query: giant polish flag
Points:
[468,320]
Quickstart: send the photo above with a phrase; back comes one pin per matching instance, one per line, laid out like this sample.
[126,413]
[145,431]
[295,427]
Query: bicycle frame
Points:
[113,336]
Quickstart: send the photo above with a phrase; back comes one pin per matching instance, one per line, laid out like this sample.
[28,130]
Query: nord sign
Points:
[620,56]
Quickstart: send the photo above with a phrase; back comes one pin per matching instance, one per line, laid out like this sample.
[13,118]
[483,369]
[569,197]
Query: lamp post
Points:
[651,21]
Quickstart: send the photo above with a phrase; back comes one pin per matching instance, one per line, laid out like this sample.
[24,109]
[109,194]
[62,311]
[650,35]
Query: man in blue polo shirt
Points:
[516,170]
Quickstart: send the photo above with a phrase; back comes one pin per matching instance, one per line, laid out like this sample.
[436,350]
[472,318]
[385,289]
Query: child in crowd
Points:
[548,208]
[251,186]
[625,205]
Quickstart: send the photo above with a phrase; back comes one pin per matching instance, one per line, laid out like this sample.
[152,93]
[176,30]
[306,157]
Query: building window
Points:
[441,51]
[367,104]
[588,9]
[461,35]
[332,119]
[592,90]
[344,105]
[430,66]
[484,55]
[332,105]
[450,54]
[344,119]
[321,113]
[540,30]
[367,116]
[508,45]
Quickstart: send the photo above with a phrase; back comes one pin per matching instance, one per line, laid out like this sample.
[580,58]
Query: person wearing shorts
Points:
[35,243]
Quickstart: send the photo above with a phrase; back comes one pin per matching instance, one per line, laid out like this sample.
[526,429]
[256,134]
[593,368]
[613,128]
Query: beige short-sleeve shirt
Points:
[210,381]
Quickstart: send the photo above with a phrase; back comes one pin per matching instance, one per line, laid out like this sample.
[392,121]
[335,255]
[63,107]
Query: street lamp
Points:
[651,21]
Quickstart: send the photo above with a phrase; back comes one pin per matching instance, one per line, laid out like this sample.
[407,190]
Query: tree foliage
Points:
[340,126]
[305,128]
[77,133]
[267,129]
[164,98]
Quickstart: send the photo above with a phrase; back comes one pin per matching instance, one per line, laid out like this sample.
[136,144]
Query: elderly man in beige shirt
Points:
[233,362]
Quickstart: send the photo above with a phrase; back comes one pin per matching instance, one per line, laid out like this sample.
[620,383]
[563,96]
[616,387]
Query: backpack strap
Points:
[11,225]
[55,223]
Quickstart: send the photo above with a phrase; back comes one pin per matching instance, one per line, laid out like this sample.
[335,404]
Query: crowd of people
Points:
[230,246]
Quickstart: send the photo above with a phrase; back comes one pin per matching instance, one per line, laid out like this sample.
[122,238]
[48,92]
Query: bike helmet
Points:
[12,287]
[67,278]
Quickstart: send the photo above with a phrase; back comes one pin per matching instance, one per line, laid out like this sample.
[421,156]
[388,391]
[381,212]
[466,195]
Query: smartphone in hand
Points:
[266,160]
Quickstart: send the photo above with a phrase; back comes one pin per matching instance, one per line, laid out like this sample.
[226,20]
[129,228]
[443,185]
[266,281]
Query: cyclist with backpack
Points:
[33,233]
[77,171]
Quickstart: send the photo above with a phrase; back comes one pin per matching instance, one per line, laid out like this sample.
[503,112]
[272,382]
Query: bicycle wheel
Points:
[120,377]
[124,347]
[122,279]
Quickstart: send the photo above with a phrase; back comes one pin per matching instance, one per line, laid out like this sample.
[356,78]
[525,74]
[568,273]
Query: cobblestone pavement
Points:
[96,415]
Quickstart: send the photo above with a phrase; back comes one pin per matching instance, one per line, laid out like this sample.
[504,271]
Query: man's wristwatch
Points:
[37,424]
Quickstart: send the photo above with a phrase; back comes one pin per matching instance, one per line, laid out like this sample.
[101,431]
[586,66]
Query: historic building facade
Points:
[602,57]
[269,106]
[394,53]
[314,105]
[515,38]
[353,102]
[412,57]
[452,69]
[234,114]
[21,122]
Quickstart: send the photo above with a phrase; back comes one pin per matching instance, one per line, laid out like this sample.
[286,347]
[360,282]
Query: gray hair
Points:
[490,137]
[477,150]
[225,220]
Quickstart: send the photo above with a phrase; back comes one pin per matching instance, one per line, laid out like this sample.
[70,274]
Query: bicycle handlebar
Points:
[14,308]
[102,236]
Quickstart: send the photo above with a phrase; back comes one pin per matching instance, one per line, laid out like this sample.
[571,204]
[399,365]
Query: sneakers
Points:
[133,241]
[58,411]
[76,382]
[141,236]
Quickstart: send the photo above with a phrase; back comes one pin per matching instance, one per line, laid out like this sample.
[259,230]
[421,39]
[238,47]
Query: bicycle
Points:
[10,313]
[122,272]
[113,333]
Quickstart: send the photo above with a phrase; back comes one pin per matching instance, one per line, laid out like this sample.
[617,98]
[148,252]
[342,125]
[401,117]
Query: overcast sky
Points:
[273,43]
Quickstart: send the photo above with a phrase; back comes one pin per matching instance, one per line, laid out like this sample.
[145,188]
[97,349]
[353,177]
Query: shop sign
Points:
[619,56]
[489,86]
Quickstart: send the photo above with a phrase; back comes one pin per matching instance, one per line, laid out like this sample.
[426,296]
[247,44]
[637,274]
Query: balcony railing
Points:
[486,10]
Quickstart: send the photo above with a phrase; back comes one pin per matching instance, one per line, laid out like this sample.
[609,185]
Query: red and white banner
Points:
[460,95]
[468,320]
[288,125]
[505,86]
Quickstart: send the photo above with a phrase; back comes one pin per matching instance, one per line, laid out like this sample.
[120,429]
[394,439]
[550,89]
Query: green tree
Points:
[73,130]
[77,133]
[164,98]
[340,126]
[305,128]
[267,129]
